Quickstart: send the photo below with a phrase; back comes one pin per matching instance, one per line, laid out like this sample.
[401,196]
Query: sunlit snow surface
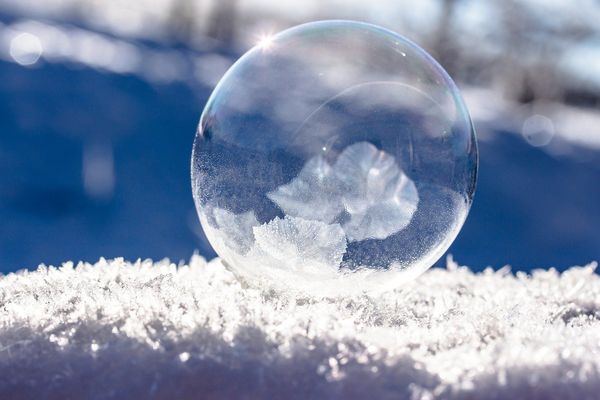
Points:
[158,331]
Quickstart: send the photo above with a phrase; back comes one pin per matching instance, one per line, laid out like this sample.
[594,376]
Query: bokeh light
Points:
[26,48]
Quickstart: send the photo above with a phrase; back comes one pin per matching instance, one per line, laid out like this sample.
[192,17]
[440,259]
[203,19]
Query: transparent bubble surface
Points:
[335,157]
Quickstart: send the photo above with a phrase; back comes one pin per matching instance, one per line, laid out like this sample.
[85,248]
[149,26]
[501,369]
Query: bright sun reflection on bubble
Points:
[265,41]
[26,48]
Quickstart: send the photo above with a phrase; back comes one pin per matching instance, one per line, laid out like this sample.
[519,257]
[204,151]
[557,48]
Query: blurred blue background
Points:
[99,102]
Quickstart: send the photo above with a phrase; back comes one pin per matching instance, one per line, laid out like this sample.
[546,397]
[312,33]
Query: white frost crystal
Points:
[379,197]
[365,182]
[233,230]
[313,194]
[149,330]
[364,195]
[297,244]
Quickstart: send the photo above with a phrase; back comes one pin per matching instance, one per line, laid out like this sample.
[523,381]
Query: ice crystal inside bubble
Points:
[339,157]
[364,182]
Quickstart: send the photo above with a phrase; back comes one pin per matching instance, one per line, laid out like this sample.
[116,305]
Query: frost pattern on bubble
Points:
[312,194]
[299,244]
[235,230]
[379,197]
[365,182]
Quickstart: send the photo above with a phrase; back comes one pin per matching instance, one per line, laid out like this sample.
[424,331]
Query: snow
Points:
[157,330]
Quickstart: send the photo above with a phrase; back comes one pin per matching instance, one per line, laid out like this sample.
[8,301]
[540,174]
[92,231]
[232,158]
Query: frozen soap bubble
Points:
[335,157]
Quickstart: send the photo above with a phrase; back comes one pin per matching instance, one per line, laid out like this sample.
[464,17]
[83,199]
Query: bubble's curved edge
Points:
[437,68]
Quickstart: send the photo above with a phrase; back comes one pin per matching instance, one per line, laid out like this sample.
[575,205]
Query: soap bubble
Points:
[334,157]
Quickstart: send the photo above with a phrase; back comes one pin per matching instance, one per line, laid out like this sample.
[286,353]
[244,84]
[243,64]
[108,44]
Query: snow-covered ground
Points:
[156,330]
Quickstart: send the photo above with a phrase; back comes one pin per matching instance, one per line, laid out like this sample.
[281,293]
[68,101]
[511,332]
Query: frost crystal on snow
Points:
[365,182]
[149,330]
